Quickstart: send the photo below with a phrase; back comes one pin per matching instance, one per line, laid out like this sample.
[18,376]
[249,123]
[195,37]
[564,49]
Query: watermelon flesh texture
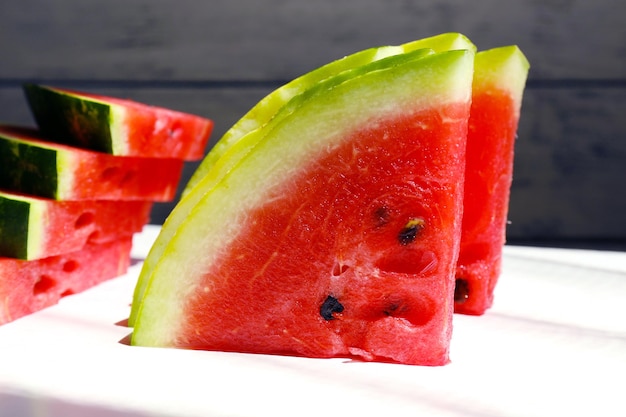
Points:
[309,246]
[31,165]
[35,228]
[383,269]
[262,112]
[499,80]
[30,286]
[244,135]
[117,126]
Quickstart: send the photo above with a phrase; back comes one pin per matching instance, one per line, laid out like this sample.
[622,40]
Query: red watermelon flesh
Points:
[31,165]
[35,228]
[29,286]
[117,126]
[337,235]
[499,79]
[371,282]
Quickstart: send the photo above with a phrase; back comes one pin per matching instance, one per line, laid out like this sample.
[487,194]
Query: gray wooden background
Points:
[217,58]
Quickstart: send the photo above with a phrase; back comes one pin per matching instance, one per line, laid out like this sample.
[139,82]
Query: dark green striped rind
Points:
[14,216]
[70,118]
[28,169]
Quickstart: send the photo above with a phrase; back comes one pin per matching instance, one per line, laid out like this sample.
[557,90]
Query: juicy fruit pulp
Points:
[498,86]
[117,126]
[373,182]
[245,134]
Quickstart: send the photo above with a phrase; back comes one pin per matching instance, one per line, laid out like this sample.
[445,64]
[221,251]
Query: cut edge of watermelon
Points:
[178,270]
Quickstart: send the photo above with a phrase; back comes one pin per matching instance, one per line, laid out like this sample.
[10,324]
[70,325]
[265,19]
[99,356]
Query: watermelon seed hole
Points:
[84,220]
[70,266]
[418,311]
[93,236]
[408,262]
[128,177]
[109,173]
[44,284]
[339,269]
[67,292]
[381,216]
[461,291]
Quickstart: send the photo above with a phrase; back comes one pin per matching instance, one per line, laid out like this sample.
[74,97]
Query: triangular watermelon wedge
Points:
[245,133]
[337,235]
[499,80]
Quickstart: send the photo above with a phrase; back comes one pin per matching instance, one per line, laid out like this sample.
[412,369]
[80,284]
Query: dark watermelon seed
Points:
[381,216]
[410,231]
[391,309]
[329,307]
[461,291]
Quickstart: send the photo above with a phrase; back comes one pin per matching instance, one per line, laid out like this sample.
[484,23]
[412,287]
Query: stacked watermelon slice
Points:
[75,190]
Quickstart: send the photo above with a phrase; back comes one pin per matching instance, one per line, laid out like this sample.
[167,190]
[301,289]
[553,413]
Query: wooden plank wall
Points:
[217,58]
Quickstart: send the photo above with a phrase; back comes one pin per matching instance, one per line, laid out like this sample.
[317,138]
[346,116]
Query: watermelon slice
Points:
[34,228]
[337,234]
[31,165]
[117,126]
[499,80]
[29,286]
[245,133]
[265,109]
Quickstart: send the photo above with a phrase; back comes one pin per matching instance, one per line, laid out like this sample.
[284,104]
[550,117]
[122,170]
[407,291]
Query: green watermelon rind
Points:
[100,123]
[225,154]
[267,107]
[504,67]
[14,222]
[27,168]
[415,84]
[116,126]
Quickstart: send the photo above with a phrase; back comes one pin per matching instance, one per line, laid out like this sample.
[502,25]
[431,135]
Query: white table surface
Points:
[554,344]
